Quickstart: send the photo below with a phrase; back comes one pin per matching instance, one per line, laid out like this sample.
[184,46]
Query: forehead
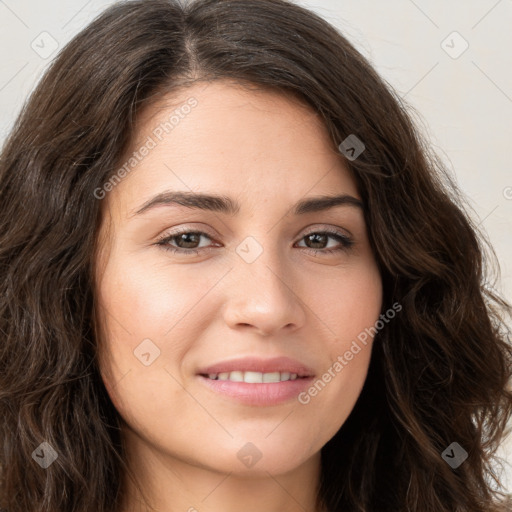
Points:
[233,141]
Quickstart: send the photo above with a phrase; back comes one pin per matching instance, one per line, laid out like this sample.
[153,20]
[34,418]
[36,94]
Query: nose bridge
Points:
[260,258]
[263,295]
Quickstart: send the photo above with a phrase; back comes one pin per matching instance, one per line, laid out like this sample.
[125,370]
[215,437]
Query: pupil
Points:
[193,238]
[316,236]
[184,236]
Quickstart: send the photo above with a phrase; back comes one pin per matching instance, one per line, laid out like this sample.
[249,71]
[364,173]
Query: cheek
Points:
[148,308]
[351,308]
[359,309]
[350,303]
[110,386]
[148,298]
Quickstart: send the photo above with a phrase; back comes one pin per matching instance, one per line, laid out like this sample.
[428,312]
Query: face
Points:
[261,292]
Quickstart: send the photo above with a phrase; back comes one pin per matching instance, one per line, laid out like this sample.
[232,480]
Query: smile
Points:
[253,377]
[256,392]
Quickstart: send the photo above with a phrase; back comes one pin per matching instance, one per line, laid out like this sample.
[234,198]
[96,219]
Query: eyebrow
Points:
[229,206]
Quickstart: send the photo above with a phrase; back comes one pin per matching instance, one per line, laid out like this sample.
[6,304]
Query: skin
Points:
[267,152]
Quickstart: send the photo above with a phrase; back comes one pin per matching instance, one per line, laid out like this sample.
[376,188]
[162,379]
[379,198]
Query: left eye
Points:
[186,237]
[191,238]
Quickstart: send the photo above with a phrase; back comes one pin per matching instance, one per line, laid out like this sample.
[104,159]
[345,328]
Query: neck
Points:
[171,484]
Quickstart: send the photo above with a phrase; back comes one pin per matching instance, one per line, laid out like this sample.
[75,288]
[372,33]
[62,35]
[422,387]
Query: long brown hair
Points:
[439,372]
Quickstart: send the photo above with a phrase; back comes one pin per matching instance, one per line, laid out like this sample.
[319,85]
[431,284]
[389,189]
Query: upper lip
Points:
[255,364]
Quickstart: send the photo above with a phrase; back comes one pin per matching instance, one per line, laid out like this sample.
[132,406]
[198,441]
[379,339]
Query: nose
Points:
[263,296]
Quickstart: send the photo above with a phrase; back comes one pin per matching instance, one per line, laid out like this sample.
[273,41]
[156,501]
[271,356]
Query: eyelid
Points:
[328,228]
[315,228]
[185,228]
[346,242]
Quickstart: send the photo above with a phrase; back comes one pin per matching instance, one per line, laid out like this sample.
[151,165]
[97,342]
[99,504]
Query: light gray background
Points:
[462,99]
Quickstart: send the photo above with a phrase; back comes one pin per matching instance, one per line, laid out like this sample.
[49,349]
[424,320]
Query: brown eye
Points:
[188,242]
[185,242]
[318,241]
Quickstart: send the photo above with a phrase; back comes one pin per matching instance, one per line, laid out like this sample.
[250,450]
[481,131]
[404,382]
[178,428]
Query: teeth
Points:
[253,377]
[273,377]
[236,376]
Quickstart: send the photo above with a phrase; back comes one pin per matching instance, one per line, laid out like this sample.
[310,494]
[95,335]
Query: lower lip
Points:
[261,394]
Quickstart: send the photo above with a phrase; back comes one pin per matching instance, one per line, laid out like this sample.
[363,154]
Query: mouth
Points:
[257,370]
[253,377]
[257,382]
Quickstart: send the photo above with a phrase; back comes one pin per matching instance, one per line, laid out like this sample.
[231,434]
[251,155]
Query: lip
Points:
[258,394]
[255,364]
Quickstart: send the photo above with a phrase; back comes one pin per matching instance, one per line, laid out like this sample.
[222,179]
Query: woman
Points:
[333,346]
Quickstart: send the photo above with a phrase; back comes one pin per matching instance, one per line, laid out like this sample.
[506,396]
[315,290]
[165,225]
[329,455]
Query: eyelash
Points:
[346,242]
